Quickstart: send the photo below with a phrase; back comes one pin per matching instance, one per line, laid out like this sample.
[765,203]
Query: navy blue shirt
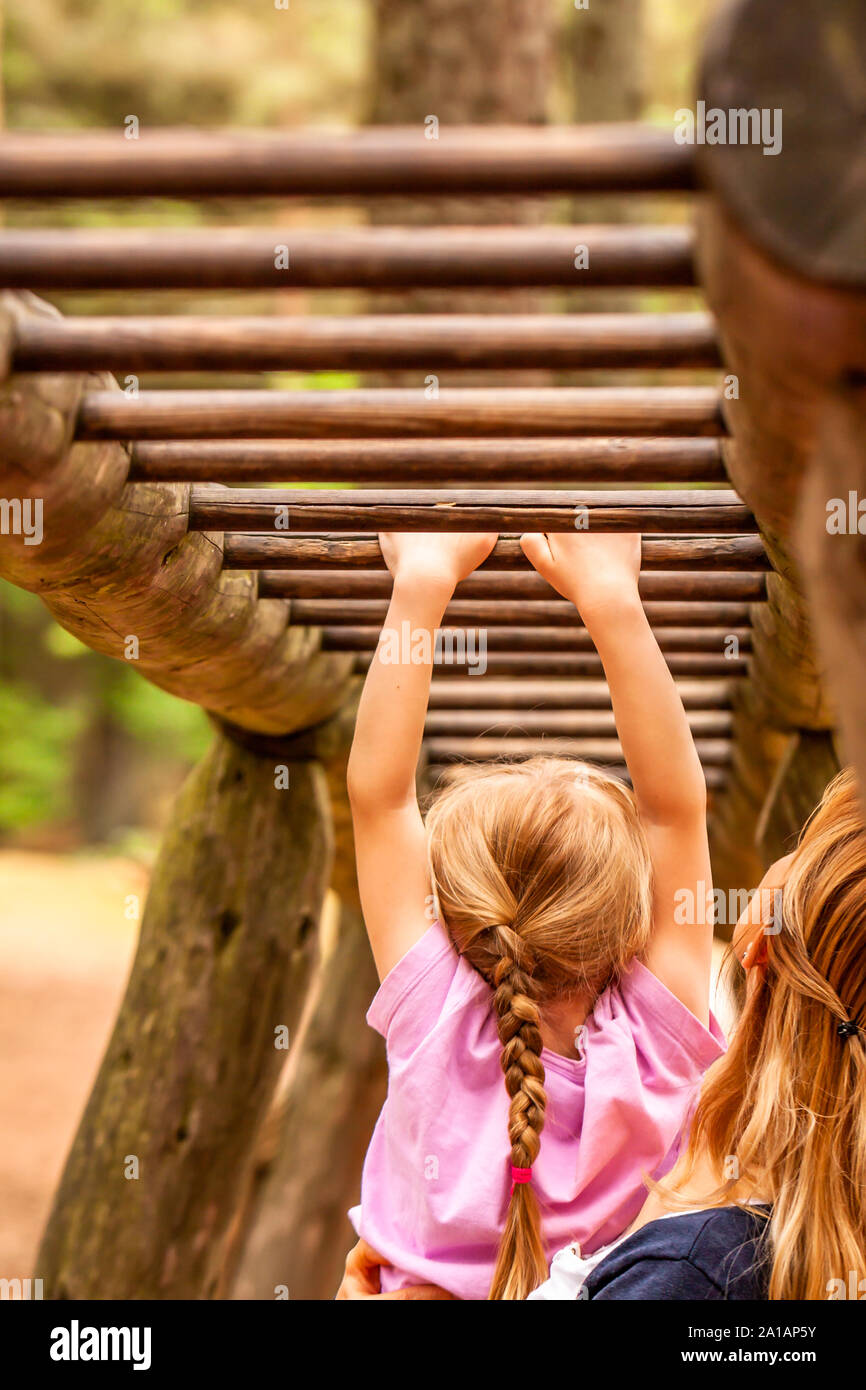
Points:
[717,1254]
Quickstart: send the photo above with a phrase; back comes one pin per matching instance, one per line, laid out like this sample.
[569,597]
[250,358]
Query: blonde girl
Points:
[558,959]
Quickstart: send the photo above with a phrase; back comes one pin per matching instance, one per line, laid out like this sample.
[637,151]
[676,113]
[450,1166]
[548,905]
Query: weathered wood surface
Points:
[552,665]
[569,723]
[300,1231]
[808,763]
[428,342]
[226,950]
[289,257]
[781,258]
[804,203]
[544,639]
[455,411]
[408,462]
[677,585]
[343,552]
[279,510]
[542,695]
[332,612]
[502,159]
[833,560]
[436,773]
[714,752]
[119,562]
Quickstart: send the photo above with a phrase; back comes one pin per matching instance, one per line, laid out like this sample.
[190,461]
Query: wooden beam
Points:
[714,752]
[227,947]
[781,247]
[252,509]
[289,257]
[340,612]
[678,586]
[429,343]
[545,695]
[544,639]
[385,161]
[553,665]
[570,723]
[456,411]
[118,567]
[808,764]
[715,777]
[446,462]
[341,552]
[803,205]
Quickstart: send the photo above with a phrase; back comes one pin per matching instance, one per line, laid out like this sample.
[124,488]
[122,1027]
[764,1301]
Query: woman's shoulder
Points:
[717,1253]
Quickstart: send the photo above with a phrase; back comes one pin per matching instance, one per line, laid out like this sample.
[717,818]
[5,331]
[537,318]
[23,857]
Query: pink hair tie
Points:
[520,1175]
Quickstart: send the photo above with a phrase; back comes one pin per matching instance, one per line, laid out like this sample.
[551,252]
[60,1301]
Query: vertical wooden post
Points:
[227,946]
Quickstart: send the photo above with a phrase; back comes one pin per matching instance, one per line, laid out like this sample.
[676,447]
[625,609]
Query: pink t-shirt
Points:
[436,1180]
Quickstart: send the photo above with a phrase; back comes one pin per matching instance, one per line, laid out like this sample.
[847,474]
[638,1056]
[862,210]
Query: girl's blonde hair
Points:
[542,876]
[783,1113]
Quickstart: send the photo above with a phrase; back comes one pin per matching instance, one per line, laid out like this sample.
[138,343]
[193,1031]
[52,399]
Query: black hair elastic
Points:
[847,1029]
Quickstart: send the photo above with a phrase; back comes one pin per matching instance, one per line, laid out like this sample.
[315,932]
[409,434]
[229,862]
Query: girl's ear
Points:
[755,953]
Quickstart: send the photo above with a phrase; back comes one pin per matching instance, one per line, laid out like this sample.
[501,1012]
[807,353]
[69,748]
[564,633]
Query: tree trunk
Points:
[227,947]
[300,1232]
[604,49]
[429,64]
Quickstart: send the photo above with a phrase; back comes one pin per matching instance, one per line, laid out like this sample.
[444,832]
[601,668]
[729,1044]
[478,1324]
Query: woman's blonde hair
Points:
[542,876]
[783,1113]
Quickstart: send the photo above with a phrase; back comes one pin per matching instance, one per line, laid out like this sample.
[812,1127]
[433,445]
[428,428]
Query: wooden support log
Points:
[809,763]
[552,665]
[456,411]
[395,161]
[410,462]
[570,723]
[532,639]
[333,612]
[525,694]
[275,510]
[300,1231]
[226,949]
[786,280]
[832,555]
[441,773]
[679,586]
[714,752]
[363,553]
[429,342]
[284,258]
[118,568]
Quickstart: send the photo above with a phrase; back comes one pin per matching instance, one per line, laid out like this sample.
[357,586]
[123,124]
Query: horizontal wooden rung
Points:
[438,774]
[380,160]
[427,343]
[525,693]
[291,257]
[456,411]
[339,612]
[713,752]
[677,585]
[402,462]
[571,665]
[715,511]
[468,644]
[587,723]
[349,553]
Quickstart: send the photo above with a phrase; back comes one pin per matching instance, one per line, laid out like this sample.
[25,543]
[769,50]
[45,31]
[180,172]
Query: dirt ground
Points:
[65,949]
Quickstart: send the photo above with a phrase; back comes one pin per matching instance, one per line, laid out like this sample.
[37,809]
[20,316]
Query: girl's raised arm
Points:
[390,842]
[599,574]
